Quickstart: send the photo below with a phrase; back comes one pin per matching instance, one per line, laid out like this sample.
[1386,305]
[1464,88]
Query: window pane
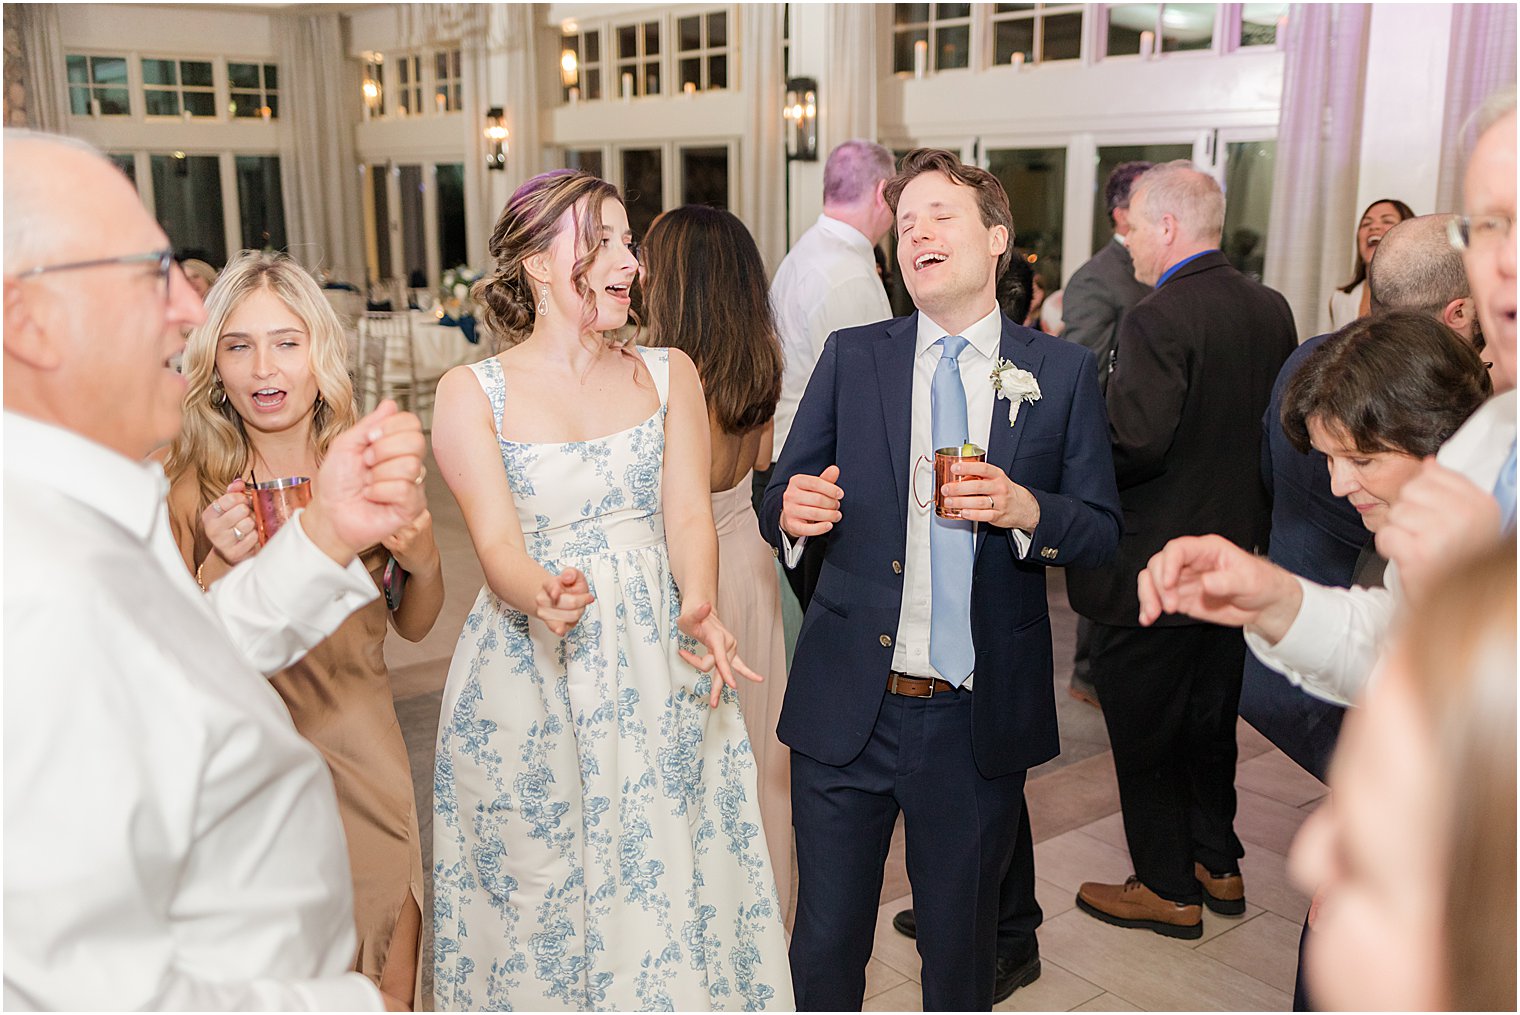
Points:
[196,73]
[161,103]
[78,70]
[592,41]
[643,187]
[593,83]
[689,33]
[1125,23]
[273,102]
[113,101]
[79,101]
[1010,37]
[239,75]
[263,208]
[651,79]
[1035,179]
[108,70]
[404,71]
[1248,203]
[126,163]
[910,14]
[158,72]
[902,48]
[627,72]
[588,159]
[1187,26]
[1011,8]
[717,71]
[1063,37]
[652,38]
[271,76]
[245,104]
[943,11]
[717,29]
[382,222]
[1108,159]
[704,176]
[201,103]
[187,195]
[953,46]
[691,70]
[1258,23]
[413,235]
[452,249]
[628,42]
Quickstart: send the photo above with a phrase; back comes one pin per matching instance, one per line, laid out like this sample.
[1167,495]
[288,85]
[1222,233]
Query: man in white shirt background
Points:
[829,281]
[170,840]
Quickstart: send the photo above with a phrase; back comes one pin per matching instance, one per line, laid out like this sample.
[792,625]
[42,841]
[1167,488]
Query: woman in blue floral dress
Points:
[596,836]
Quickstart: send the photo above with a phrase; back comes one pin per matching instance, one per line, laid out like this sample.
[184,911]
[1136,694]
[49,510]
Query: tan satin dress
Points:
[339,696]
[749,601]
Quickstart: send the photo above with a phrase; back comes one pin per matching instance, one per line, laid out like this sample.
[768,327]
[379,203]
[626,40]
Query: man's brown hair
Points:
[991,198]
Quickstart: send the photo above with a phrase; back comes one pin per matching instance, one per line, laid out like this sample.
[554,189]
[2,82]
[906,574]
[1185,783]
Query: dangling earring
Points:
[543,301]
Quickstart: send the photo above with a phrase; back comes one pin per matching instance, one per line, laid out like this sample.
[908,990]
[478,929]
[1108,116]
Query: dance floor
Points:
[1240,964]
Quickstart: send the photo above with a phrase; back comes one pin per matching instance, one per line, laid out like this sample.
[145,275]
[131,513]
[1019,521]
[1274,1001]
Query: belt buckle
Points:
[928,694]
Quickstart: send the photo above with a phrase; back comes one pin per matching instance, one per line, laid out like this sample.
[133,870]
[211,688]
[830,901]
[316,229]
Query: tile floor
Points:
[1241,963]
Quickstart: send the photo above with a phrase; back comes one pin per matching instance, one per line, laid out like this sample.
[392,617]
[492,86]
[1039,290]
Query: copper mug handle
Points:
[923,460]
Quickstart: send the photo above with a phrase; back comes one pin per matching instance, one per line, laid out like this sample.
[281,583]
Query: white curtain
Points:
[1318,150]
[762,149]
[47,100]
[518,48]
[848,84]
[1482,62]
[319,170]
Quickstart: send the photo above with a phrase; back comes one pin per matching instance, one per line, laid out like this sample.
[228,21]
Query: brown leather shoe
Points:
[1225,896]
[1134,905]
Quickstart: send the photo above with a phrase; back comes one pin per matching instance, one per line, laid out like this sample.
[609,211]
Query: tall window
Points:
[702,47]
[172,86]
[1175,27]
[448,95]
[704,176]
[253,90]
[944,29]
[1041,32]
[98,85]
[638,55]
[261,209]
[587,159]
[1111,156]
[1035,179]
[1248,167]
[643,187]
[187,198]
[587,49]
[452,247]
[408,99]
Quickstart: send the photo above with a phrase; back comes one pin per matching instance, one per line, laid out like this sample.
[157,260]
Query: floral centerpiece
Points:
[454,291]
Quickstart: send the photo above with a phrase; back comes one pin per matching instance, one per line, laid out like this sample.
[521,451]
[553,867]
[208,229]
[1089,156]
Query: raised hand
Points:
[370,483]
[701,623]
[1211,579]
[229,525]
[810,505]
[984,493]
[562,600]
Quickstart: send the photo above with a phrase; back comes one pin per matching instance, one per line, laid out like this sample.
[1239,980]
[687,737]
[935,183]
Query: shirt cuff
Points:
[791,553]
[1022,541]
[1305,653]
[349,992]
[329,582]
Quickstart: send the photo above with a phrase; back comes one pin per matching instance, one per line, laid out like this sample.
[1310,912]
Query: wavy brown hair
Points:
[1360,274]
[527,226]
[991,198]
[705,293]
[213,441]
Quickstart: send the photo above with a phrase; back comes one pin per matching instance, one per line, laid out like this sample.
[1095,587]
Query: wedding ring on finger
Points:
[989,502]
[421,473]
[237,533]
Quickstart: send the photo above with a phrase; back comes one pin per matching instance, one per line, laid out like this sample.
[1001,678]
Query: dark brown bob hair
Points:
[706,293]
[1397,381]
[991,198]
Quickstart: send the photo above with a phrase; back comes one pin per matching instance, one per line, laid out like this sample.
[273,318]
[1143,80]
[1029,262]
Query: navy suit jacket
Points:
[857,414]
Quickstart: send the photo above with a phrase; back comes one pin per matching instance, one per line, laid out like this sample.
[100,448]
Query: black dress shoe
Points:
[905,924]
[1015,971]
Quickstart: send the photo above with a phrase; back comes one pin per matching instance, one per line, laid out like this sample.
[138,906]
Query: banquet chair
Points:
[387,366]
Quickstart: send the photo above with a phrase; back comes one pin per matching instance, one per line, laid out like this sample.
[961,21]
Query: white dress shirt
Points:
[826,282]
[910,653]
[1332,648]
[171,841]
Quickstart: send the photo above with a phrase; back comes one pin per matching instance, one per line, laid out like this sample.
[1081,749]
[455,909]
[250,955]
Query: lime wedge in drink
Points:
[969,450]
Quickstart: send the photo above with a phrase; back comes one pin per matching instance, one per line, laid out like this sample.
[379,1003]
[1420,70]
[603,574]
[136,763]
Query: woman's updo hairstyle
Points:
[528,225]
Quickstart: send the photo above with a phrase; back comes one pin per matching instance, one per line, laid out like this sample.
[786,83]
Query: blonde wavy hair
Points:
[213,442]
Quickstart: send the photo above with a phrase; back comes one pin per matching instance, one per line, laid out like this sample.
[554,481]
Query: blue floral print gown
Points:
[596,836]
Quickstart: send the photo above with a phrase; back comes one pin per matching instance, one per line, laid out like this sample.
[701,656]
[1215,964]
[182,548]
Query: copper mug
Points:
[944,459]
[275,500]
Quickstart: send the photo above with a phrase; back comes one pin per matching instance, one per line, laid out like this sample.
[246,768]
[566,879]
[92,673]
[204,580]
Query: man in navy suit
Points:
[922,681]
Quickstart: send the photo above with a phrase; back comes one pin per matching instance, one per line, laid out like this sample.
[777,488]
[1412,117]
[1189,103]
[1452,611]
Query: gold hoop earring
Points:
[218,395]
[543,301]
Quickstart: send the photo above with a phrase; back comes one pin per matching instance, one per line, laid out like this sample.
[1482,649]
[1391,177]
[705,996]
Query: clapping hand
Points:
[562,600]
[229,525]
[702,624]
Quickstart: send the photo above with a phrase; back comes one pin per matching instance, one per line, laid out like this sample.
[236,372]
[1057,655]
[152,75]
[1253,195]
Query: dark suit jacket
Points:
[1096,300]
[1196,362]
[857,413]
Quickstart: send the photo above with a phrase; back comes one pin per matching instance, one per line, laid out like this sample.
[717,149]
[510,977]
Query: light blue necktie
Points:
[951,543]
[1504,490]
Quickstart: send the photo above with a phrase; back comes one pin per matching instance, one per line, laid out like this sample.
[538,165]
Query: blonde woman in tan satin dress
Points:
[706,293]
[268,390]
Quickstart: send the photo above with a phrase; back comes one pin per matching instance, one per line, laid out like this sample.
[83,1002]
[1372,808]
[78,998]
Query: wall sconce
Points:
[801,114]
[496,138]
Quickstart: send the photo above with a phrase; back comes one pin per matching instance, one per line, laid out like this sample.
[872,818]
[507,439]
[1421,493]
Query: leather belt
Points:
[917,687]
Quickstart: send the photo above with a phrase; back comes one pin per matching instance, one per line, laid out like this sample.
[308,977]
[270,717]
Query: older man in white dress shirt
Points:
[170,840]
[829,281]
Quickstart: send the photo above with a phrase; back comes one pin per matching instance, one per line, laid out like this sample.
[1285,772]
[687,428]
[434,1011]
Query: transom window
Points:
[176,87]
[1040,32]
[253,90]
[408,97]
[1258,23]
[702,49]
[585,72]
[98,85]
[638,56]
[448,94]
[1173,27]
[943,29]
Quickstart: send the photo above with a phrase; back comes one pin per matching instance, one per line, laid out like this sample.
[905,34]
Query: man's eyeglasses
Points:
[1469,232]
[163,258]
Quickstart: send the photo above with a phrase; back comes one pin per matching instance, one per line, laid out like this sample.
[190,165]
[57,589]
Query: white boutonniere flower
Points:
[1016,385]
